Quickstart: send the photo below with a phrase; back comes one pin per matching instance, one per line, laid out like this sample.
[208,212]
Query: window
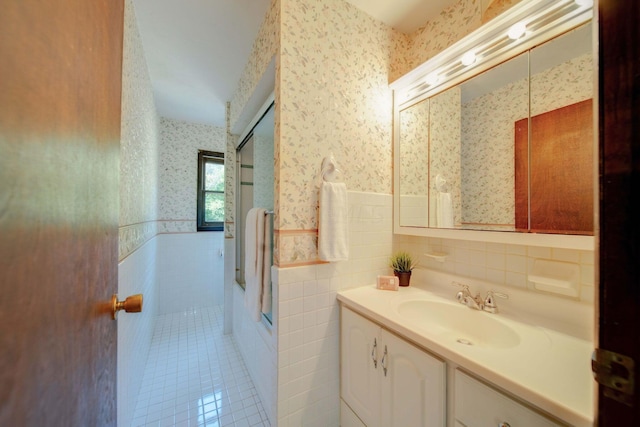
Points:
[210,191]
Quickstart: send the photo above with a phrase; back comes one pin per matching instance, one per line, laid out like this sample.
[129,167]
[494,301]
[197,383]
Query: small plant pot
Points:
[404,277]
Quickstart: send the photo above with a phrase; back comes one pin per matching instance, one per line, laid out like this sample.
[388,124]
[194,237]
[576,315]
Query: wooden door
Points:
[413,386]
[60,84]
[360,366]
[554,171]
[619,235]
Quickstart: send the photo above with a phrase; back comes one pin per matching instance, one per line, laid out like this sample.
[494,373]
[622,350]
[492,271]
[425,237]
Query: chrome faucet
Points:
[465,297]
[489,304]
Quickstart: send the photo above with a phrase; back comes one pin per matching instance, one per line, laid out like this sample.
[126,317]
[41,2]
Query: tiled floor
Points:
[195,376]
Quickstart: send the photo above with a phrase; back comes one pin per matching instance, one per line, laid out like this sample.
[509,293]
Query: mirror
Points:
[510,149]
[255,177]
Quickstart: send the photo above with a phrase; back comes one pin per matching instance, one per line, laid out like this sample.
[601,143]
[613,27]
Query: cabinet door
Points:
[479,405]
[360,381]
[347,417]
[413,388]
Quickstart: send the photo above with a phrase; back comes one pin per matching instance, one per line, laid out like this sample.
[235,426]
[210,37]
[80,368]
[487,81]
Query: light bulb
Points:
[468,58]
[517,30]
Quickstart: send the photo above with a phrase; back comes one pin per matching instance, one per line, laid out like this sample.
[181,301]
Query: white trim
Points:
[261,111]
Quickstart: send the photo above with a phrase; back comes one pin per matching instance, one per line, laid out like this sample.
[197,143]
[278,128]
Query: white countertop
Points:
[549,369]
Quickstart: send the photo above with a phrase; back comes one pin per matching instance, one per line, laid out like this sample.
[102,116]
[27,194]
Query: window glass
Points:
[210,191]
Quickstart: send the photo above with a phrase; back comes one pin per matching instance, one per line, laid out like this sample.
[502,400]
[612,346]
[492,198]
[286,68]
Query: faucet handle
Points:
[490,303]
[463,294]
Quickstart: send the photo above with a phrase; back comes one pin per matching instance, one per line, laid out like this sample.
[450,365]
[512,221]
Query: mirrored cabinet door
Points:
[491,103]
[560,166]
[414,156]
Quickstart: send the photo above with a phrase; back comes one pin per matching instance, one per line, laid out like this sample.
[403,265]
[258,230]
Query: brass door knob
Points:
[132,304]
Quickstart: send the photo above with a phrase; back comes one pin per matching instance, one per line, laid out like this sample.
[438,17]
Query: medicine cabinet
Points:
[494,137]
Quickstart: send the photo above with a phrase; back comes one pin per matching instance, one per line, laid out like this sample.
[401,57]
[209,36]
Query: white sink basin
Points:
[459,323]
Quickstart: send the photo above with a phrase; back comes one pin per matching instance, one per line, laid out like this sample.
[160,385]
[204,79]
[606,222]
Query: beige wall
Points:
[139,145]
[333,66]
[177,170]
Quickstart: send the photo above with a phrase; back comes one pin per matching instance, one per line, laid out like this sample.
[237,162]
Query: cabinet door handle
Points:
[374,354]
[383,361]
[504,424]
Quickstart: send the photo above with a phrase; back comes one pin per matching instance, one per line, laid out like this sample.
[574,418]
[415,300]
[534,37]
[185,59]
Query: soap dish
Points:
[556,277]
[438,256]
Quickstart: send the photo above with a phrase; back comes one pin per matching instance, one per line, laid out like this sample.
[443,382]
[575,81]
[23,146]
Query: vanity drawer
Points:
[479,405]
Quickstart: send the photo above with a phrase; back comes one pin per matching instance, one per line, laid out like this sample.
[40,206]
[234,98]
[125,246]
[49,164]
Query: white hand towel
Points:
[333,222]
[444,211]
[253,262]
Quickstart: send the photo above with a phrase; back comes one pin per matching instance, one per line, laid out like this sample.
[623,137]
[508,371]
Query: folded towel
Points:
[444,211]
[254,262]
[333,222]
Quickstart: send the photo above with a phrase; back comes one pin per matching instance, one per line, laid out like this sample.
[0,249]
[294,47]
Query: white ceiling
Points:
[196,50]
[403,15]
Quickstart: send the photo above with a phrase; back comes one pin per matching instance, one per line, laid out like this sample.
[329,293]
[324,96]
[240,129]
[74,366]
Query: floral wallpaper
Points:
[564,84]
[179,145]
[444,150]
[334,99]
[264,48]
[263,169]
[414,154]
[414,149]
[451,25]
[488,153]
[493,8]
[138,144]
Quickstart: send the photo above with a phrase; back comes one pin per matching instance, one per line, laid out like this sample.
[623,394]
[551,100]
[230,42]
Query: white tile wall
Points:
[190,271]
[308,331]
[136,274]
[498,263]
[257,344]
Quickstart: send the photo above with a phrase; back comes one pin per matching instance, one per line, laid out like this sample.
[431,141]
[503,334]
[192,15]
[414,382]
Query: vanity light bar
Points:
[490,44]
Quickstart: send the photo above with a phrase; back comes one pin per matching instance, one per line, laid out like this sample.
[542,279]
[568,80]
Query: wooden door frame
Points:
[618,308]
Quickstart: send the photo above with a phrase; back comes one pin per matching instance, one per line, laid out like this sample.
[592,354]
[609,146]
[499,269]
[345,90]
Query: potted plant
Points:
[402,264]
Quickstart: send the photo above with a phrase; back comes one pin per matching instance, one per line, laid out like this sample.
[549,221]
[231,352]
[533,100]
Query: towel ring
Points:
[329,169]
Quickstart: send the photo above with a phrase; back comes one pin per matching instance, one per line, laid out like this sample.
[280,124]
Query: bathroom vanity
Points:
[418,358]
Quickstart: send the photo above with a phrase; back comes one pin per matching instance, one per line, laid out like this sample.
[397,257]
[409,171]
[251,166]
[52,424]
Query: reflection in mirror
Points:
[560,162]
[509,149]
[491,103]
[414,155]
[255,178]
[445,159]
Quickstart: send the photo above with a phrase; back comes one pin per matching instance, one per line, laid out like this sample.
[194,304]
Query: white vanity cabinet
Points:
[477,404]
[387,381]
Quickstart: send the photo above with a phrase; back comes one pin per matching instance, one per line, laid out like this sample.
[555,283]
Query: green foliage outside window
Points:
[211,182]
[214,202]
